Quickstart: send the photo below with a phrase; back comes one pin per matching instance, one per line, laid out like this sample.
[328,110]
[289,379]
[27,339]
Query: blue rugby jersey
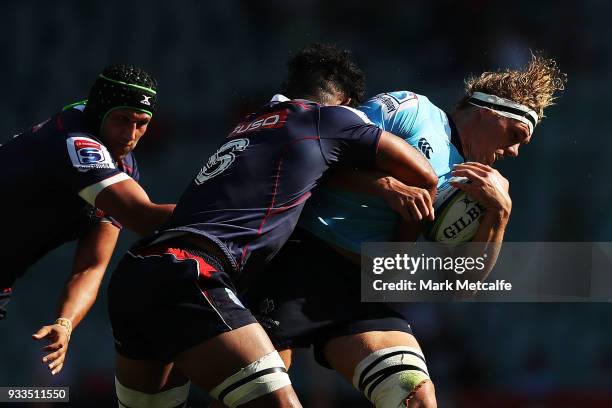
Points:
[347,219]
[247,198]
[42,172]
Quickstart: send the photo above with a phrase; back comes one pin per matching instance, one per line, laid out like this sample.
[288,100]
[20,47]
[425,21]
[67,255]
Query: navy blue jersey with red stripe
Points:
[247,198]
[42,170]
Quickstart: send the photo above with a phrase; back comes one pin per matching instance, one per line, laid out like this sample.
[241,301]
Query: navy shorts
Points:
[5,297]
[169,297]
[311,294]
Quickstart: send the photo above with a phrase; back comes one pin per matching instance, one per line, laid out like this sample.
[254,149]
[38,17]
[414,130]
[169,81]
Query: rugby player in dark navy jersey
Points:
[371,344]
[74,177]
[172,300]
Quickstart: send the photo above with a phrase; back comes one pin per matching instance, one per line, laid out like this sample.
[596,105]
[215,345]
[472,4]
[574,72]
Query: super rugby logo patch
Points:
[392,102]
[86,154]
[389,104]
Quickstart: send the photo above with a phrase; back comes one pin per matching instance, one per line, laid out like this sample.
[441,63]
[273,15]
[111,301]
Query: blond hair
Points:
[534,86]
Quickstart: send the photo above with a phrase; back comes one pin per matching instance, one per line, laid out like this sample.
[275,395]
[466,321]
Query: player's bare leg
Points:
[225,364]
[208,365]
[145,381]
[287,356]
[346,353]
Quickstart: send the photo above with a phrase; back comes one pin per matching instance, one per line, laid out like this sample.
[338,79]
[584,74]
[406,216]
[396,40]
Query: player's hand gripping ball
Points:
[457,215]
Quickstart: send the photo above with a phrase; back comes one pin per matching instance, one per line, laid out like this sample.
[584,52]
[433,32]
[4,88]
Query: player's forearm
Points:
[143,218]
[80,294]
[492,226]
[487,243]
[155,216]
[127,202]
[360,181]
[405,163]
[411,203]
[91,259]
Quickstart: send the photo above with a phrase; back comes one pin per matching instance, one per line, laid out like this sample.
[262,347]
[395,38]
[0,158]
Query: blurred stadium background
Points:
[214,60]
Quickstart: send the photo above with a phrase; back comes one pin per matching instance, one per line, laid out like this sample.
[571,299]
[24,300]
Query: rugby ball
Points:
[457,215]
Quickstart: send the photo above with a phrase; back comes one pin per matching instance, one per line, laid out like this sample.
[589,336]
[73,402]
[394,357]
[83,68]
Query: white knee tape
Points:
[388,376]
[261,377]
[172,398]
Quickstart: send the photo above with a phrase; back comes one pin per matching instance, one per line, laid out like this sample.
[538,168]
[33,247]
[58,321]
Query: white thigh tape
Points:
[259,378]
[172,398]
[386,377]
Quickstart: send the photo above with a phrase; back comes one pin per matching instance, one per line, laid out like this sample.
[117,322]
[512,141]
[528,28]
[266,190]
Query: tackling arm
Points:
[402,161]
[94,251]
[127,202]
[405,179]
[412,203]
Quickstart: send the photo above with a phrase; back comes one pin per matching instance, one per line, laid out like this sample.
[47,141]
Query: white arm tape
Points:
[90,193]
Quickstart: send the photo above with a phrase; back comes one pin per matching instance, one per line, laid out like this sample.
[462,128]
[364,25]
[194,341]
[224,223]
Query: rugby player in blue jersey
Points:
[73,177]
[173,304]
[315,300]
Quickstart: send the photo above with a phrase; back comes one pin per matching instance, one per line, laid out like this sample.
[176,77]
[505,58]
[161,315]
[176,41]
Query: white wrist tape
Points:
[66,324]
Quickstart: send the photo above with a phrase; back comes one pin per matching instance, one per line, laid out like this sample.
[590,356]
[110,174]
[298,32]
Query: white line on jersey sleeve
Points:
[359,113]
[90,193]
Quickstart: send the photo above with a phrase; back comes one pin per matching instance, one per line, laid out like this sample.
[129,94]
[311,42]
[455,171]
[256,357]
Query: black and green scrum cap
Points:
[117,87]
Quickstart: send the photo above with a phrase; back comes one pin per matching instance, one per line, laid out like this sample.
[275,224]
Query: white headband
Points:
[505,107]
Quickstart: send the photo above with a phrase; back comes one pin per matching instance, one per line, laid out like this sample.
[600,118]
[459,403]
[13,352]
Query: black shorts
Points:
[5,297]
[169,297]
[311,294]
